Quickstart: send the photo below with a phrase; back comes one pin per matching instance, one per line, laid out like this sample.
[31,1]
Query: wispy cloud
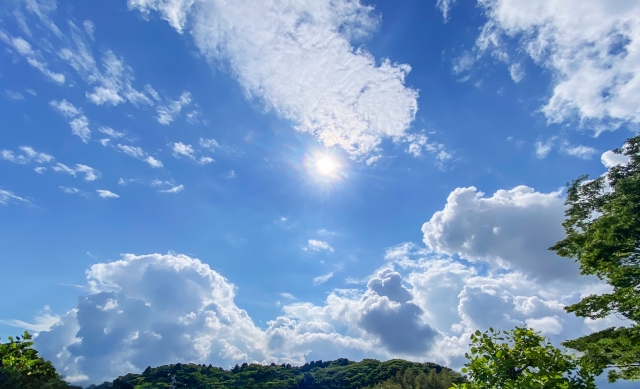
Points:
[318,245]
[168,113]
[79,123]
[322,279]
[33,57]
[137,152]
[175,189]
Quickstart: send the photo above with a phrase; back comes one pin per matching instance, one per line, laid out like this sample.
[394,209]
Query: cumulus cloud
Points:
[180,148]
[513,229]
[151,310]
[591,47]
[105,194]
[610,159]
[318,245]
[295,56]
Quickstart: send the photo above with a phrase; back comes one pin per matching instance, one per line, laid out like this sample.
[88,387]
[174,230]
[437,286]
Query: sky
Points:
[291,180]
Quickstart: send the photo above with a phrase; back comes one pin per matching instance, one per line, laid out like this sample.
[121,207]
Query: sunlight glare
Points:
[326,165]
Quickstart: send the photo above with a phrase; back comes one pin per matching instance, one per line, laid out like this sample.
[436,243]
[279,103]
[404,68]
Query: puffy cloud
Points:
[105,194]
[29,154]
[180,148]
[591,47]
[611,159]
[205,160]
[153,162]
[80,127]
[318,245]
[582,152]
[151,310]
[66,108]
[90,174]
[294,56]
[512,229]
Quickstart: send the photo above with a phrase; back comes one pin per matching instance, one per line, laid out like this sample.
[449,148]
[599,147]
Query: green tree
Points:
[603,236]
[520,358]
[22,368]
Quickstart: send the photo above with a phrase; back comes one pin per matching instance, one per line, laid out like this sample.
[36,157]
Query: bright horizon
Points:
[285,181]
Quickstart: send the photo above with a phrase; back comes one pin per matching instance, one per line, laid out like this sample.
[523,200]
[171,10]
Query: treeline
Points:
[341,373]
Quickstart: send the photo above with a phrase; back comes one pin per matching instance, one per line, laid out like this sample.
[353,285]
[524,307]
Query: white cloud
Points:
[132,151]
[40,169]
[33,57]
[66,108]
[512,228]
[90,174]
[43,322]
[288,296]
[210,144]
[548,325]
[295,55]
[89,27]
[137,152]
[517,72]
[153,162]
[80,127]
[28,155]
[580,151]
[544,148]
[69,189]
[445,7]
[322,279]
[205,160]
[115,84]
[591,48]
[168,113]
[166,309]
[180,148]
[105,194]
[230,174]
[7,196]
[13,95]
[611,159]
[318,245]
[111,132]
[175,189]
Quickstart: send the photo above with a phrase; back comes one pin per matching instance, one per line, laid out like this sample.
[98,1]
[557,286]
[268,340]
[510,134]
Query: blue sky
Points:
[223,182]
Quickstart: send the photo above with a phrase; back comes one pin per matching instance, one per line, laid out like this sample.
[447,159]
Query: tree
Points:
[21,367]
[524,360]
[603,236]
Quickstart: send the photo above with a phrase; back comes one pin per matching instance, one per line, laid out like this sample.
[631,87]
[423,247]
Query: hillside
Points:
[338,374]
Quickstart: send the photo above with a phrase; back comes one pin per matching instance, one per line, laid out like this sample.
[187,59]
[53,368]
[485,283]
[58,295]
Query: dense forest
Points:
[341,373]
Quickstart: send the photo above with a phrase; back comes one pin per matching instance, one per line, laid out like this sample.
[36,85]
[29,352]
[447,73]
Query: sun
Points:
[326,165]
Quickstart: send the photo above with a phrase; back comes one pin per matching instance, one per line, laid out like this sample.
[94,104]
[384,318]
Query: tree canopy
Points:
[22,368]
[603,236]
[520,358]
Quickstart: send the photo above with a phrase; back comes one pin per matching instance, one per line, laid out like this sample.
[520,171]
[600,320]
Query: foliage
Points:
[341,373]
[521,358]
[416,379]
[22,368]
[603,235]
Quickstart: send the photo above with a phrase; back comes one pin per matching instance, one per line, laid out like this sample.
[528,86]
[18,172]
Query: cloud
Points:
[6,197]
[28,155]
[79,123]
[322,279]
[205,160]
[294,56]
[175,189]
[594,60]
[105,194]
[168,113]
[180,148]
[33,57]
[70,189]
[610,159]
[43,322]
[13,95]
[513,229]
[153,162]
[210,144]
[138,153]
[544,148]
[111,132]
[582,152]
[230,174]
[419,143]
[90,174]
[318,245]
[66,108]
[151,310]
[445,7]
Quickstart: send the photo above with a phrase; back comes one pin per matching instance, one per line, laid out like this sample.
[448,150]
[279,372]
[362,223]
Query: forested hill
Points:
[338,374]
